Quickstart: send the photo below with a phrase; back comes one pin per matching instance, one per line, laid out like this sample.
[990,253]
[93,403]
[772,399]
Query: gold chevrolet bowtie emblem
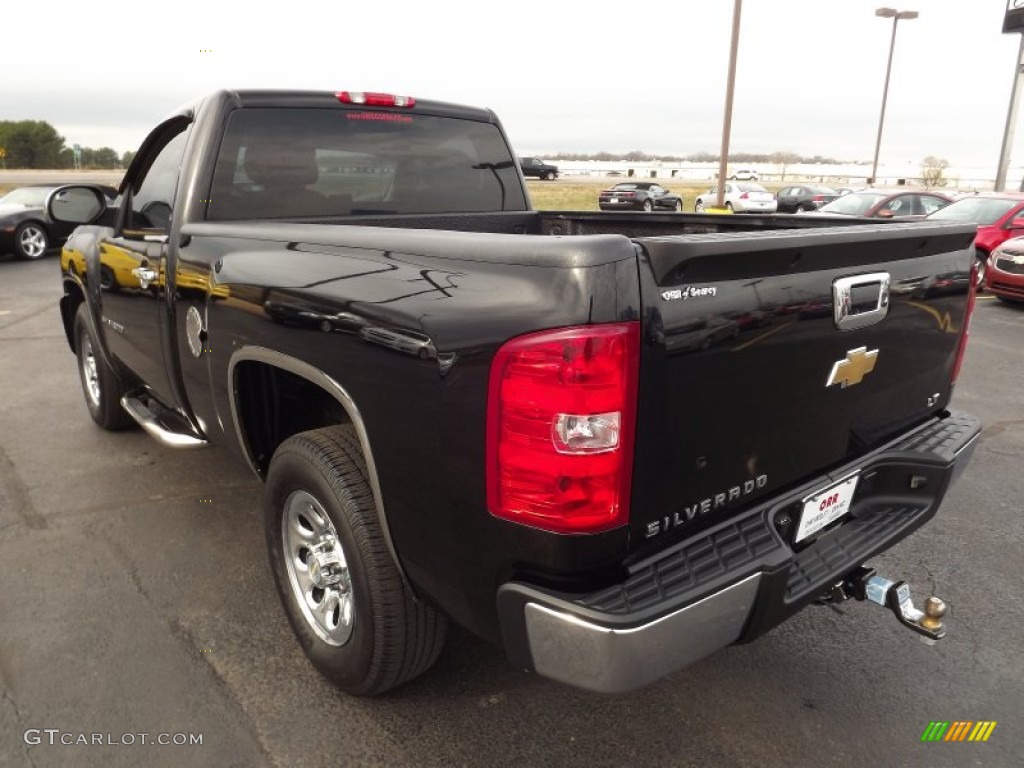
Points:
[858,364]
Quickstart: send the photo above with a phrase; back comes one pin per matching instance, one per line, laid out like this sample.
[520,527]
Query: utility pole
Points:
[1011,123]
[723,161]
[1013,22]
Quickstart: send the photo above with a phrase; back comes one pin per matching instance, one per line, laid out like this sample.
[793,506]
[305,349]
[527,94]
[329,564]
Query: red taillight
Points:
[818,199]
[744,196]
[561,414]
[369,99]
[962,347]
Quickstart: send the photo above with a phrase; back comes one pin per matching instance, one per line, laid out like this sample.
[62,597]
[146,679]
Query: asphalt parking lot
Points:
[135,598]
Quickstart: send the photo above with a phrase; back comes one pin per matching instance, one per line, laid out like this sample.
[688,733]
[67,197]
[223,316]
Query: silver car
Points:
[740,197]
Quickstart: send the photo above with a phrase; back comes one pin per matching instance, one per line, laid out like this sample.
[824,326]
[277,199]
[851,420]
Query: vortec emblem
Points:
[858,364]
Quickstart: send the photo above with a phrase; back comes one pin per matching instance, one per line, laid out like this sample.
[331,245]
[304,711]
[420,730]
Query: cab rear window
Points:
[298,163]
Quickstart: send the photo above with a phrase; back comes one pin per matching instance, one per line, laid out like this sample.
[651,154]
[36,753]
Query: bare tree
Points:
[784,160]
[932,171]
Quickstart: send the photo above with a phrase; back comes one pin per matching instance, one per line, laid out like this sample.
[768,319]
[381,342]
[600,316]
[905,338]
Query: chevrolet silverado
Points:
[611,443]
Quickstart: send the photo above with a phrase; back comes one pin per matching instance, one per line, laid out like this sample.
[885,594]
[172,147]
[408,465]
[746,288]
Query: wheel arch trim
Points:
[329,385]
[73,284]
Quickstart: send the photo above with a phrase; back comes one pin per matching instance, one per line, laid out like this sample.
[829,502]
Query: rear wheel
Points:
[31,241]
[728,207]
[699,206]
[648,206]
[351,611]
[677,206]
[102,388]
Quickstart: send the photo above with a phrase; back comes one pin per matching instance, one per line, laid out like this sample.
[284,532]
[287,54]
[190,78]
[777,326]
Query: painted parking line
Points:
[764,335]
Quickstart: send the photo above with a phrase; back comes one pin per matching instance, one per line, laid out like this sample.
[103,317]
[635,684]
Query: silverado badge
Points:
[852,370]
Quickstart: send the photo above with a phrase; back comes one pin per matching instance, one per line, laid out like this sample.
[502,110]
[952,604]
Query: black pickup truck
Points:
[611,443]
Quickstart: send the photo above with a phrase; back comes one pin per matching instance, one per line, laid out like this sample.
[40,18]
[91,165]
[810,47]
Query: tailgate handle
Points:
[860,301]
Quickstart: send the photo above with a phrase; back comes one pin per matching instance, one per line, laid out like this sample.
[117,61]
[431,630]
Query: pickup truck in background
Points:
[534,166]
[611,443]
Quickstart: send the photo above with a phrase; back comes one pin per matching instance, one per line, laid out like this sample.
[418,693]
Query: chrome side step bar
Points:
[149,422]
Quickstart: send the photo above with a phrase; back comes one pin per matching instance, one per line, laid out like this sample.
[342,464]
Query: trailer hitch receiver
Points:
[865,584]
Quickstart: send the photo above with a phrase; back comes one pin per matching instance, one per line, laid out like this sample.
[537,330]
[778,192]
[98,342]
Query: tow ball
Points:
[865,584]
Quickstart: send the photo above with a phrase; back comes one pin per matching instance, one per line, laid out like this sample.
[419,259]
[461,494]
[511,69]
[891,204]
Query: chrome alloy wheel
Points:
[90,374]
[317,569]
[33,241]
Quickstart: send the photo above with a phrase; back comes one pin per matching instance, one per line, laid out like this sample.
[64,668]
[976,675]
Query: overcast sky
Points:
[563,75]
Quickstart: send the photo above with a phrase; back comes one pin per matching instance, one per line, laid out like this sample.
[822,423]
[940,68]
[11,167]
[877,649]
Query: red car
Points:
[1004,277]
[999,216]
[900,203]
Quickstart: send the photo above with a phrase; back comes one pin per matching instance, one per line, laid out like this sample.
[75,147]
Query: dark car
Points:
[804,197]
[534,166]
[886,204]
[640,196]
[25,229]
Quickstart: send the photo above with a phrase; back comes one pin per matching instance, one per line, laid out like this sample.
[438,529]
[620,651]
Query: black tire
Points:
[391,638]
[677,206]
[101,387]
[108,282]
[698,206]
[728,207]
[982,259]
[648,206]
[31,241]
[547,176]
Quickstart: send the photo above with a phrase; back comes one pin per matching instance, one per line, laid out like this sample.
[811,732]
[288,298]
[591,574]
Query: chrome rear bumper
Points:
[598,658]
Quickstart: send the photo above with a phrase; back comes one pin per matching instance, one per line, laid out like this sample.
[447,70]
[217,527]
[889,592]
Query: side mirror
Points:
[885,213]
[76,204]
[1017,223]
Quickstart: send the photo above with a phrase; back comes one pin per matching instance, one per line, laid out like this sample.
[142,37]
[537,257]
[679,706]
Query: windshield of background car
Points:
[286,162]
[979,210]
[751,188]
[853,204]
[30,197]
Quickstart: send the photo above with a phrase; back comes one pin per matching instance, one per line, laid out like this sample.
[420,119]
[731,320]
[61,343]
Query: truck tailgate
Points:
[749,382]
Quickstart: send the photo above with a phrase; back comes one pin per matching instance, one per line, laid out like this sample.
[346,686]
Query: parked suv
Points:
[534,166]
[745,174]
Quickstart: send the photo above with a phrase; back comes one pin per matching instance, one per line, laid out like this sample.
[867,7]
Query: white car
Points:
[744,174]
[739,198]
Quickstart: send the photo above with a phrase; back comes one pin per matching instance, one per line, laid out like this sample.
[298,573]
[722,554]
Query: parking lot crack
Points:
[6,695]
[182,634]
[18,493]
[997,428]
[108,510]
[54,337]
[22,318]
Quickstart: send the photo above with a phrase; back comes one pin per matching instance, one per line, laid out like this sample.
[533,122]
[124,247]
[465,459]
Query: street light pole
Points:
[895,15]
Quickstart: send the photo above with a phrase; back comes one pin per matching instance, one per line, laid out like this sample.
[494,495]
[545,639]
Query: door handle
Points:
[145,275]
